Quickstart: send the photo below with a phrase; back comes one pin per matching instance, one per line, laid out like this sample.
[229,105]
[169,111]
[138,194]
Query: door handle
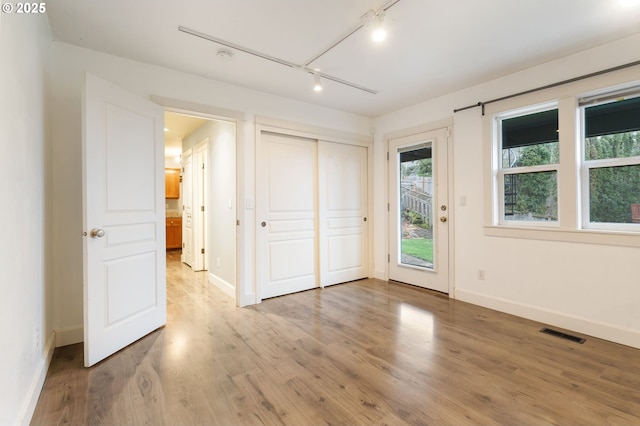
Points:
[443,219]
[97,233]
[263,224]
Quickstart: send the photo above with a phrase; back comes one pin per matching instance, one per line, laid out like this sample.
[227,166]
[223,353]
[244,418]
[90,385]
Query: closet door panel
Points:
[343,236]
[286,233]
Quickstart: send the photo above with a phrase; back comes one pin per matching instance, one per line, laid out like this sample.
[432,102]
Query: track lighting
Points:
[317,86]
[379,33]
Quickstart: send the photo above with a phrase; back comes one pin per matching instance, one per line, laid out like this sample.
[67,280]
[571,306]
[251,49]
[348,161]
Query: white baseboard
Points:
[69,335]
[31,399]
[586,326]
[227,288]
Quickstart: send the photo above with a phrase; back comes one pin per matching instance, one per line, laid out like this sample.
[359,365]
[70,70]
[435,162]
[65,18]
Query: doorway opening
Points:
[203,149]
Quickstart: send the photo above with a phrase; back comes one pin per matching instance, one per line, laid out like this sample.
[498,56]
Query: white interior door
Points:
[286,214]
[419,210]
[187,207]
[200,202]
[123,218]
[342,188]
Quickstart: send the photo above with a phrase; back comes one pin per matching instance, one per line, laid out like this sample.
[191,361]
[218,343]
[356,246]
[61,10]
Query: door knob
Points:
[263,224]
[97,233]
[443,219]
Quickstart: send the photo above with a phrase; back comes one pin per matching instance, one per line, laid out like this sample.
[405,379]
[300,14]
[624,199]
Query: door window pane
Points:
[416,207]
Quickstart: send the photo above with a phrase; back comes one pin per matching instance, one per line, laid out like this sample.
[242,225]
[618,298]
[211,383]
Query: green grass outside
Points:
[421,248]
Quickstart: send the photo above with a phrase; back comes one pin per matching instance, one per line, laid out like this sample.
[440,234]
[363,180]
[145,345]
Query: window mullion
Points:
[530,169]
[569,169]
[613,162]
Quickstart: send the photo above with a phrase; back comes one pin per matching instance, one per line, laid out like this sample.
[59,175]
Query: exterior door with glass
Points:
[419,210]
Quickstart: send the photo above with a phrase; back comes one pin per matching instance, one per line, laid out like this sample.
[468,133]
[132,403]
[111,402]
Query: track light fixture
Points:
[317,85]
[372,20]
[379,32]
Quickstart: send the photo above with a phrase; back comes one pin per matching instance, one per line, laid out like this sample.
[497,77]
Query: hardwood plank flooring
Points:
[363,353]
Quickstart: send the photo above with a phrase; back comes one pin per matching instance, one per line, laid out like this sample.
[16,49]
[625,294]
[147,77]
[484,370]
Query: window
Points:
[566,169]
[527,175]
[611,163]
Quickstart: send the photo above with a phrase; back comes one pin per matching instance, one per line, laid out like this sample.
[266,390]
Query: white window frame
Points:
[499,172]
[587,165]
[571,172]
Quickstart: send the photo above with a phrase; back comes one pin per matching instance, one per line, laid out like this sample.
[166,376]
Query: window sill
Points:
[612,238]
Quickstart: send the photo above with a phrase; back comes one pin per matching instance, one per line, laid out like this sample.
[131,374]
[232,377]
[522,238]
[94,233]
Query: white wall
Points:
[221,202]
[586,287]
[69,65]
[26,188]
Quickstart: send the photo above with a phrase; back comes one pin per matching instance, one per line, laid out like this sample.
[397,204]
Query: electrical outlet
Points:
[481,274]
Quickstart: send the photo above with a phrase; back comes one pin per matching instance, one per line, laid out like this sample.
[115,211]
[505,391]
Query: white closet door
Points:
[286,214]
[343,212]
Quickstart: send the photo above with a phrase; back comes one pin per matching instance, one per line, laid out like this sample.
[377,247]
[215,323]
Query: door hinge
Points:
[201,208]
[202,166]
[388,258]
[182,245]
[388,207]
[387,155]
[202,251]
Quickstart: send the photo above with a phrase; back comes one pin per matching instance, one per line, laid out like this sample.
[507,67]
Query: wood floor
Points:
[362,353]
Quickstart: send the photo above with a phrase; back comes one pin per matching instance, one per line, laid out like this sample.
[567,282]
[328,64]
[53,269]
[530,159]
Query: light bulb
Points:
[317,87]
[379,32]
[378,35]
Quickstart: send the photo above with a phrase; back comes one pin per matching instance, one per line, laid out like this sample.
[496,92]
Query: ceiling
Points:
[176,128]
[434,47]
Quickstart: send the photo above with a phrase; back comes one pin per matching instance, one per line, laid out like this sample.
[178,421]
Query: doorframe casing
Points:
[411,131]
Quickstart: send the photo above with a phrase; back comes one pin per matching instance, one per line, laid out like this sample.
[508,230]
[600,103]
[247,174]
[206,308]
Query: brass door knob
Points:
[97,233]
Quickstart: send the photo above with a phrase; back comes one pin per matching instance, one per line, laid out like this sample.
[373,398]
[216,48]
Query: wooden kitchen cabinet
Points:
[174,232]
[172,183]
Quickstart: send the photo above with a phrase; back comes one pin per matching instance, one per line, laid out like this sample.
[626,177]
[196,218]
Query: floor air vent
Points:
[563,335]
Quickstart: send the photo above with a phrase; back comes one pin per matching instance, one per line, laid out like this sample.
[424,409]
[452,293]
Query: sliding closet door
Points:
[286,213]
[342,188]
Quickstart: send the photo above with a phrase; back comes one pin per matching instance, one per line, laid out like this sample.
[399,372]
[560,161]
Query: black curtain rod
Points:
[548,86]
